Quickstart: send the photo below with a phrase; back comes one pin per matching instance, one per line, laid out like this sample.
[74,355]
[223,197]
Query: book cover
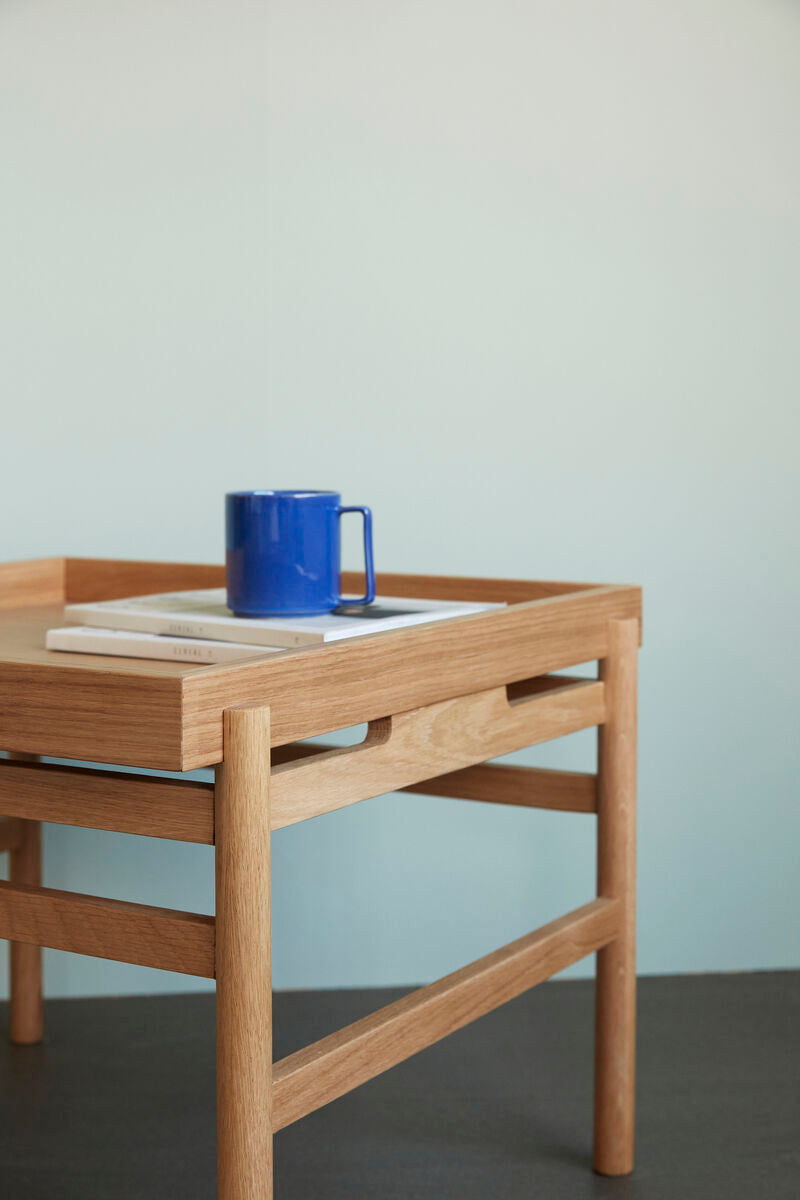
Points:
[88,639]
[204,614]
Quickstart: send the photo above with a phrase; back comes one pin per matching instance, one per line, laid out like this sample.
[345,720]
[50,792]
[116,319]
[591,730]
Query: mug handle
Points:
[369,595]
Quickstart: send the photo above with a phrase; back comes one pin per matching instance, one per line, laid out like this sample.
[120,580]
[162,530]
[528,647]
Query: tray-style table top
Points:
[168,715]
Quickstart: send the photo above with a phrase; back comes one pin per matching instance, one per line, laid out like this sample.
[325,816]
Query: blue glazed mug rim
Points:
[292,493]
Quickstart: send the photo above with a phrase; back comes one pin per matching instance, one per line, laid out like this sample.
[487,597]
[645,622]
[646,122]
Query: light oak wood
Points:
[327,1069]
[134,933]
[615,1032]
[169,715]
[80,580]
[438,700]
[524,787]
[78,679]
[244,970]
[407,747]
[10,834]
[291,751]
[93,708]
[324,688]
[462,587]
[522,689]
[88,579]
[180,809]
[26,1008]
[38,581]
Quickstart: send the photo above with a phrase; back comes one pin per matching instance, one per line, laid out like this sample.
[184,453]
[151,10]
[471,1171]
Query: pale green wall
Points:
[523,276]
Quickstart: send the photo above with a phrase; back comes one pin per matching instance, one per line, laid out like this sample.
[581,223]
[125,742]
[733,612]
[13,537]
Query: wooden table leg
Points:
[615,1012]
[243,958]
[26,1020]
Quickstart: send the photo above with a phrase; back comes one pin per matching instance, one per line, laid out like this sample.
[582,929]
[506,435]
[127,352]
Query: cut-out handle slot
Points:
[410,747]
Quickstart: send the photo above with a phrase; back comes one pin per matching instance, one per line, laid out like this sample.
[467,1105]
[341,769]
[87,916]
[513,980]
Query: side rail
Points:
[436,750]
[442,749]
[32,916]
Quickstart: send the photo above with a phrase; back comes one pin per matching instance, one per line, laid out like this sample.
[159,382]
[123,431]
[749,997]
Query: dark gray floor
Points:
[119,1102]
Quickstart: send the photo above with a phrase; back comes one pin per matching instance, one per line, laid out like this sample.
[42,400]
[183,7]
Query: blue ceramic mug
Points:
[283,553]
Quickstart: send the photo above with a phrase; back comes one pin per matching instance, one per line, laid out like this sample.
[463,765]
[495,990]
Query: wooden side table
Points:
[439,701]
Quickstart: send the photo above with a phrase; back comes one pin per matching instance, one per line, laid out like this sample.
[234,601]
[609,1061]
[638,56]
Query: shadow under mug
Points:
[283,553]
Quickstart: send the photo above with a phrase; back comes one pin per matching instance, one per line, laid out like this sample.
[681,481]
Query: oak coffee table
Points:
[439,700]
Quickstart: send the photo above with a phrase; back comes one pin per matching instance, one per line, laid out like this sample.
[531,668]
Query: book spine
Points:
[120,647]
[177,627]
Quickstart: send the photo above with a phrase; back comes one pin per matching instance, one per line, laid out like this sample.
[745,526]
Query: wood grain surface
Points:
[345,683]
[462,587]
[126,717]
[10,833]
[524,787]
[88,579]
[244,960]
[615,991]
[26,1009]
[134,933]
[179,809]
[412,746]
[327,1069]
[36,582]
[169,715]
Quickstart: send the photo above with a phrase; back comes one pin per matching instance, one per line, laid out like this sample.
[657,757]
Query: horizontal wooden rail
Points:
[10,834]
[327,1069]
[525,787]
[179,809]
[523,689]
[407,748]
[134,933]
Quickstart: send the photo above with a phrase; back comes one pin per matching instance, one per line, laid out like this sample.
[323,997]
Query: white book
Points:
[204,614]
[124,643]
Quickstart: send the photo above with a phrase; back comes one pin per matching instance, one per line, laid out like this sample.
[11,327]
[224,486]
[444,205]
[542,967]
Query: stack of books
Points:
[197,626]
